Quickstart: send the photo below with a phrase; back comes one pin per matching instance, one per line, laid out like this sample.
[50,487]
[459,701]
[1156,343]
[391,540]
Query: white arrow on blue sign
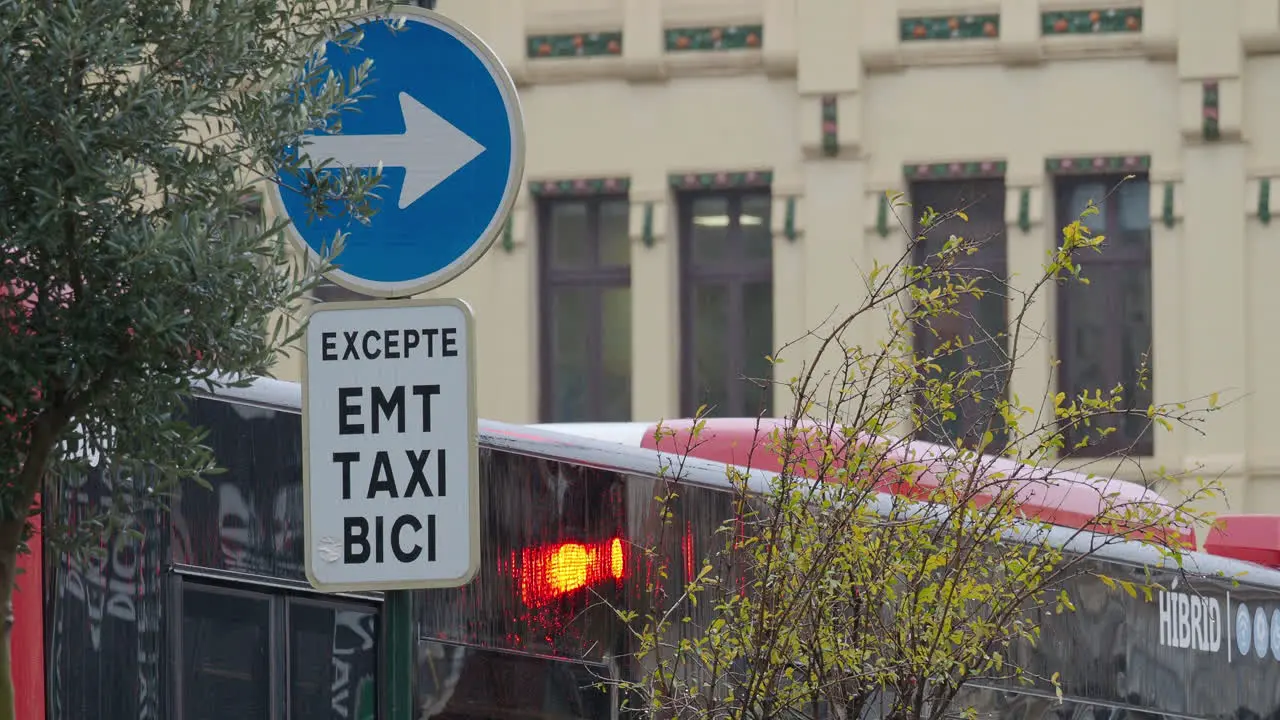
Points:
[442,118]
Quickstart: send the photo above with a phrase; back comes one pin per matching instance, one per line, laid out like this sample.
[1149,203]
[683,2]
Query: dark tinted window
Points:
[226,655]
[1105,328]
[726,267]
[547,560]
[456,682]
[585,277]
[975,337]
[251,519]
[332,661]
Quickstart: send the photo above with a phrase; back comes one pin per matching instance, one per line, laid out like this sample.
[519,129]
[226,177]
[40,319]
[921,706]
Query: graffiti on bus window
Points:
[251,520]
[105,609]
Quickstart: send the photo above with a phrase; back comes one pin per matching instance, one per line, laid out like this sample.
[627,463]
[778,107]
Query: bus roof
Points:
[621,447]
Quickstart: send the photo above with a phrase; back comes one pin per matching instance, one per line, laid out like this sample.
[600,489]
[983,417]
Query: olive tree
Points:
[134,132]
[877,575]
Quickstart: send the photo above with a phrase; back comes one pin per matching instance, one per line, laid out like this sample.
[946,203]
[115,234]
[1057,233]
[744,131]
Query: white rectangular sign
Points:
[390,468]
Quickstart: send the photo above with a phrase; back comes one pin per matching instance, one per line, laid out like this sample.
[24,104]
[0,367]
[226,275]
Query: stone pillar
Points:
[789,266]
[1215,257]
[830,77]
[655,300]
[1030,230]
[642,39]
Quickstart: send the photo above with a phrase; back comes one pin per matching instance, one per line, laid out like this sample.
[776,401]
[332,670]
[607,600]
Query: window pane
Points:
[709,236]
[710,339]
[1085,335]
[757,235]
[570,354]
[1080,196]
[1135,343]
[332,662]
[569,235]
[615,232]
[225,647]
[615,385]
[1134,197]
[1107,336]
[757,319]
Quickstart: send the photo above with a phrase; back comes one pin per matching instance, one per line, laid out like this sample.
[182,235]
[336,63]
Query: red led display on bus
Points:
[548,572]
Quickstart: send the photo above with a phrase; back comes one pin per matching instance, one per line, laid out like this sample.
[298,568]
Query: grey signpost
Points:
[390,467]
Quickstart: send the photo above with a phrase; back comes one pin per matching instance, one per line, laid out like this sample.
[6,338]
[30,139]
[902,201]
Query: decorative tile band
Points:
[1088,165]
[585,186]
[1091,22]
[733,37]
[1024,210]
[830,127]
[955,170]
[789,220]
[575,45]
[1209,111]
[721,181]
[949,27]
[1166,206]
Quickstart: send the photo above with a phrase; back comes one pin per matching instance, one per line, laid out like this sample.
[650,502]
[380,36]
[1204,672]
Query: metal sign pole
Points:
[399,639]
[394,506]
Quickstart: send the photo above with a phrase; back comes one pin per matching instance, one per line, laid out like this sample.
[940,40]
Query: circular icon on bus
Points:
[1261,635]
[1275,634]
[1244,628]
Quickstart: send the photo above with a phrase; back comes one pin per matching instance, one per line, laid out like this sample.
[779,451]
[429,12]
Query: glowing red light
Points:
[547,572]
[686,546]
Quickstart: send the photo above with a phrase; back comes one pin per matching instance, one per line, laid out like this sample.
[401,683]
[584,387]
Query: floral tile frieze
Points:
[1090,164]
[596,44]
[1092,22]
[955,170]
[731,37]
[949,27]
[580,186]
[721,180]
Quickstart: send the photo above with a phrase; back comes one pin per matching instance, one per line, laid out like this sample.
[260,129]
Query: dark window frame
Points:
[1113,256]
[594,276]
[279,601]
[737,273]
[177,644]
[986,262]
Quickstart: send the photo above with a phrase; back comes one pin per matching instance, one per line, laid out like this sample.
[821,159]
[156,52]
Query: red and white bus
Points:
[209,615]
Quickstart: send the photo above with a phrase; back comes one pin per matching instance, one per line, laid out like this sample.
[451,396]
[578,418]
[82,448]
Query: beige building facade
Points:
[706,180]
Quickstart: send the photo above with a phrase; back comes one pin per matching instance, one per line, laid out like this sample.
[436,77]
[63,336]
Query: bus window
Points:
[226,665]
[332,661]
[460,683]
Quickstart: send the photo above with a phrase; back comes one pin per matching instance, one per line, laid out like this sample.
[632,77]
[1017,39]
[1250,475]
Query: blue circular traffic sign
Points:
[442,119]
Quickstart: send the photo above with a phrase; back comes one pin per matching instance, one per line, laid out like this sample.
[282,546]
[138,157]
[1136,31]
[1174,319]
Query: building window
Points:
[726,297]
[585,279]
[1104,328]
[975,337]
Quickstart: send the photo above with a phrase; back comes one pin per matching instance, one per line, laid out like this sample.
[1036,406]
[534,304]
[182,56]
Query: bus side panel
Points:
[105,611]
[27,641]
